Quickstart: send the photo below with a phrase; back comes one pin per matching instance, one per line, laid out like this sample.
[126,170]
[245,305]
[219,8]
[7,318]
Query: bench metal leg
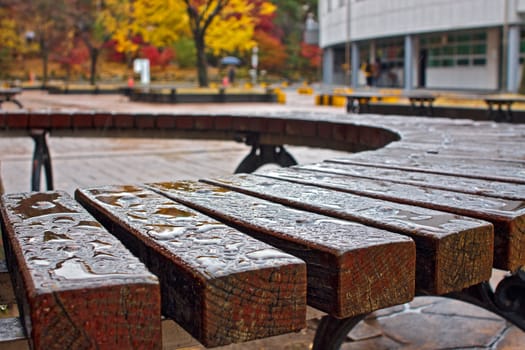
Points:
[265,154]
[332,332]
[499,114]
[262,154]
[507,301]
[16,102]
[41,158]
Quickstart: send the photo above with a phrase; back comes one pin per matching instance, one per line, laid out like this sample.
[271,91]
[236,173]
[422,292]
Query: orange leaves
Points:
[273,54]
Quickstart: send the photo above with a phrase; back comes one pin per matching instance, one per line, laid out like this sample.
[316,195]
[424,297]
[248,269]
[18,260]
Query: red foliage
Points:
[73,56]
[272,53]
[313,53]
[112,54]
[157,57]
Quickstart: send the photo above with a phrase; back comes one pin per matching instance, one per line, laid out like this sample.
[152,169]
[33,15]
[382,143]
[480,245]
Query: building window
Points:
[522,47]
[456,49]
[391,52]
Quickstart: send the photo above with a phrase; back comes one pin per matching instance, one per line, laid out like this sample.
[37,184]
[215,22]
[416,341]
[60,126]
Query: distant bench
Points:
[500,107]
[428,215]
[267,136]
[8,95]
[359,102]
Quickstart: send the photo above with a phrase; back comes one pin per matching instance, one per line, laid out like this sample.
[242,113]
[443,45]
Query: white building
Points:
[435,44]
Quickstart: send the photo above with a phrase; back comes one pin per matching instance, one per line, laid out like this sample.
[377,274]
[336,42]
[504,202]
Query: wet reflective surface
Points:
[394,216]
[445,182]
[63,246]
[278,220]
[468,167]
[466,204]
[208,246]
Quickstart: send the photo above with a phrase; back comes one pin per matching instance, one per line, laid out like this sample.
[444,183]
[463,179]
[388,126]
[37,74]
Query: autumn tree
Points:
[44,19]
[10,39]
[290,19]
[84,17]
[70,55]
[272,53]
[134,24]
[215,26]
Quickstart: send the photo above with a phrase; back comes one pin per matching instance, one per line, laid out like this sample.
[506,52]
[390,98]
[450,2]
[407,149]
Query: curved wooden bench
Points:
[266,134]
[455,188]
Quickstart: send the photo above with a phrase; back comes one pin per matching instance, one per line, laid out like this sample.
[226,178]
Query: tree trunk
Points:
[202,64]
[45,68]
[44,52]
[94,52]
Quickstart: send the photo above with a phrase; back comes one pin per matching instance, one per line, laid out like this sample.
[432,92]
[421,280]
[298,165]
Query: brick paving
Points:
[426,323]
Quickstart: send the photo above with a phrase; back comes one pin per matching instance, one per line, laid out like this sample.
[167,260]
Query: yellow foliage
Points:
[163,22]
[158,22]
[9,38]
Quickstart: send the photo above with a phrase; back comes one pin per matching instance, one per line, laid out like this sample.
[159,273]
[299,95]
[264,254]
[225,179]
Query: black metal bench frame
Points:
[9,96]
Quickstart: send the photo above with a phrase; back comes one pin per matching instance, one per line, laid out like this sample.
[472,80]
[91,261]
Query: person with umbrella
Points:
[231,61]
[231,74]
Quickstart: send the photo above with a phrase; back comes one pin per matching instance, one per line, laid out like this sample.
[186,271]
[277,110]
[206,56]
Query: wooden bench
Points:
[8,95]
[500,107]
[431,214]
[359,102]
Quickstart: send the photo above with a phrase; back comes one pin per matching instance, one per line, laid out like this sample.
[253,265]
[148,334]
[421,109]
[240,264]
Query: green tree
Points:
[290,19]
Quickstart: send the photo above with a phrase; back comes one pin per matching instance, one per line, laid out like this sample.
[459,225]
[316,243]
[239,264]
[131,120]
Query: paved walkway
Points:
[426,323]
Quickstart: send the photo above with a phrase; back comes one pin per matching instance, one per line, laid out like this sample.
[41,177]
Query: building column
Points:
[513,58]
[372,52]
[328,66]
[408,66]
[356,65]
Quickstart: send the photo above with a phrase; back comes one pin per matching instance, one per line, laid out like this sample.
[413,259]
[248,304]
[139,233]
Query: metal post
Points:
[255,63]
[347,43]
[513,55]
[409,42]
[355,65]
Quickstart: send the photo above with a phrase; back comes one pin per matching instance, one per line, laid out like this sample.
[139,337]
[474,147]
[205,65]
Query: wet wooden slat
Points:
[453,252]
[222,286]
[507,216]
[76,285]
[352,269]
[487,188]
[493,170]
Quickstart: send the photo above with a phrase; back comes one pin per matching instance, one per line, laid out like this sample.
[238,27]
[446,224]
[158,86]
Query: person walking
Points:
[367,70]
[376,71]
[231,75]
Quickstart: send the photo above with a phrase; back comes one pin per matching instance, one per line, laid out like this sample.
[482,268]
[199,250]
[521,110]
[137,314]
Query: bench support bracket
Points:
[507,301]
[41,158]
[332,332]
[263,154]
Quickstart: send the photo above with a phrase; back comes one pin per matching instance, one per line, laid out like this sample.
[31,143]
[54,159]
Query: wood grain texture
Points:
[453,251]
[352,269]
[477,168]
[220,285]
[76,285]
[506,215]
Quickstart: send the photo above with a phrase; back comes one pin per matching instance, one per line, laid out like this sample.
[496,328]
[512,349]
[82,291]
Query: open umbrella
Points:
[230,60]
